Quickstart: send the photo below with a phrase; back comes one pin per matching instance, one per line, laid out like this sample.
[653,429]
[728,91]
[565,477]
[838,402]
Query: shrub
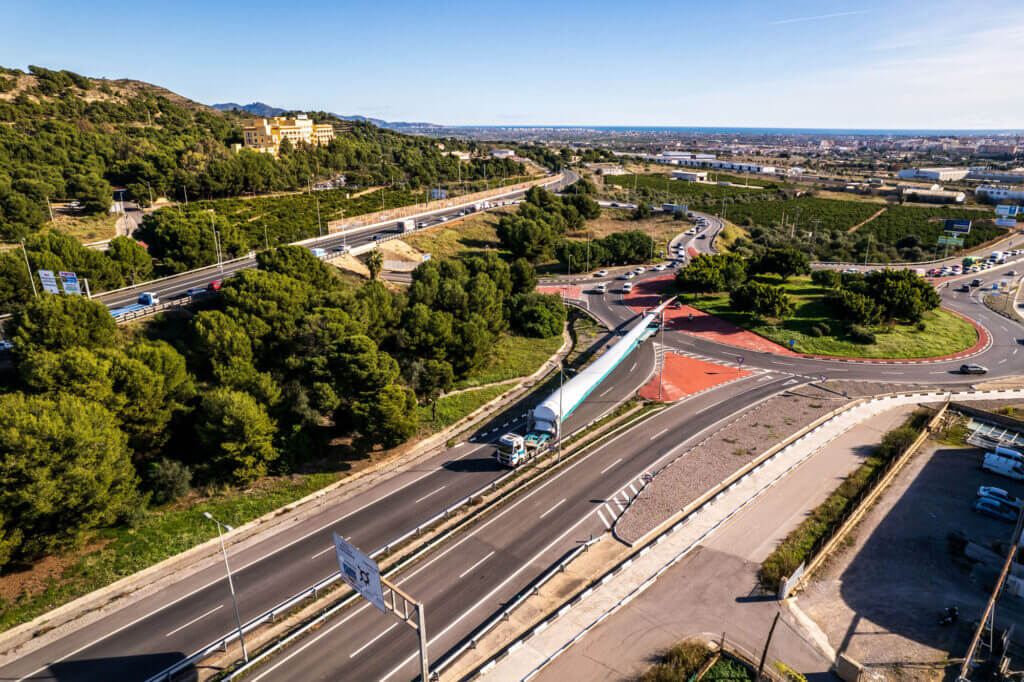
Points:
[861,334]
[816,331]
[169,480]
[678,663]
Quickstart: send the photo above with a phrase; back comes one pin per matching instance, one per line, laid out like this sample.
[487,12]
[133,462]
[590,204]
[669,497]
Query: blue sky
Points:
[791,63]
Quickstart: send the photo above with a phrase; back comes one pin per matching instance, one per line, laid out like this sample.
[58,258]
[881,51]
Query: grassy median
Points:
[814,329]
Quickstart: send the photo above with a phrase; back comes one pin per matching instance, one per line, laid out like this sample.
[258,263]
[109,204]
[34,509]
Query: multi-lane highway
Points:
[170,287]
[461,583]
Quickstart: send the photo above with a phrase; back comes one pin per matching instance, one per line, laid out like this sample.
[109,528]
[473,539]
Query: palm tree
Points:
[375,263]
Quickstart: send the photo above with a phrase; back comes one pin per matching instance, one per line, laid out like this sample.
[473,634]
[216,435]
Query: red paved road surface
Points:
[685,376]
[566,290]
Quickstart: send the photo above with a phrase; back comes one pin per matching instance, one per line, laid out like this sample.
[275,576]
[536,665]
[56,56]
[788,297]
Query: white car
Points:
[640,270]
[601,273]
[627,287]
[601,288]
[1000,495]
[659,267]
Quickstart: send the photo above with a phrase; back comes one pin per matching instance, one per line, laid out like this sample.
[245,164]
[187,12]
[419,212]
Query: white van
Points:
[627,287]
[1004,466]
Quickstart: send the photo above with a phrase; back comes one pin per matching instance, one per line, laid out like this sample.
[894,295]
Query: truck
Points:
[407,225]
[148,298]
[997,256]
[318,252]
[969,261]
[511,450]
[145,300]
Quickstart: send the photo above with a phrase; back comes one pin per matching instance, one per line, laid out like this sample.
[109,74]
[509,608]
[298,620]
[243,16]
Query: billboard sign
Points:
[69,281]
[958,226]
[1006,222]
[1007,209]
[360,572]
[950,240]
[49,281]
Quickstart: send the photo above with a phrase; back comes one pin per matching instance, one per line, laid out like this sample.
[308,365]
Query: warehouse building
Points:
[933,174]
[998,194]
[690,176]
[933,196]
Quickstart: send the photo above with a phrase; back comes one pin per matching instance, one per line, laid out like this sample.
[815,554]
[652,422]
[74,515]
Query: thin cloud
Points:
[816,18]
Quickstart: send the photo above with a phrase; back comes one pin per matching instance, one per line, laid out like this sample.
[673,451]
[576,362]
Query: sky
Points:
[926,64]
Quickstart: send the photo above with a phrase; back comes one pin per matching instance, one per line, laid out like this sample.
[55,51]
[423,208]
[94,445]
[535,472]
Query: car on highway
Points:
[601,273]
[640,270]
[343,248]
[964,288]
[1000,495]
[195,291]
[601,288]
[972,368]
[215,285]
[1011,273]
[627,275]
[5,345]
[975,282]
[996,509]
[659,267]
[702,236]
[850,271]
[627,287]
[443,219]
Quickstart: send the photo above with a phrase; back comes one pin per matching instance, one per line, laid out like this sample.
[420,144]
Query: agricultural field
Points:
[810,213]
[692,191]
[926,224]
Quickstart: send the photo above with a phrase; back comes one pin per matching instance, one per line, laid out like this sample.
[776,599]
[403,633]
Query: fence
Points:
[827,543]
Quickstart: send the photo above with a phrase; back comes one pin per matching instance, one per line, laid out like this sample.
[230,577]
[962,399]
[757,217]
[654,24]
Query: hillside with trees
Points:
[66,136]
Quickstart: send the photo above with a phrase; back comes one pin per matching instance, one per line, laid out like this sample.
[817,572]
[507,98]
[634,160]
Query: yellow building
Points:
[265,135]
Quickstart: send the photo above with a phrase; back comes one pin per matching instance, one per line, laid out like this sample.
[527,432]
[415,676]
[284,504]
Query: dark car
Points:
[964,287]
[972,369]
[975,282]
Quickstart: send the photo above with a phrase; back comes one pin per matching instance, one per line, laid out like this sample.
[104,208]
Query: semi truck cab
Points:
[511,450]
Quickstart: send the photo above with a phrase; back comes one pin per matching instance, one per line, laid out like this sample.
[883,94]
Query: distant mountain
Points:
[258,108]
[262,109]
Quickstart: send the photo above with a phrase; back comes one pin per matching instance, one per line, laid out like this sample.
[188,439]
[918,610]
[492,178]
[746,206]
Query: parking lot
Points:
[880,598]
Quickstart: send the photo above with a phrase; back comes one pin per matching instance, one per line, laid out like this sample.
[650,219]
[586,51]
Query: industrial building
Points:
[998,194]
[1009,177]
[690,176]
[265,135]
[933,196]
[934,174]
[502,153]
[741,166]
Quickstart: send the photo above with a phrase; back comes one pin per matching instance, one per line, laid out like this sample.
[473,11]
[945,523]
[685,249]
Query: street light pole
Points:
[28,267]
[231,584]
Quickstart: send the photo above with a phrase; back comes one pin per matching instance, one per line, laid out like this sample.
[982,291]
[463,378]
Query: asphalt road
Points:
[154,632]
[462,583]
[168,288]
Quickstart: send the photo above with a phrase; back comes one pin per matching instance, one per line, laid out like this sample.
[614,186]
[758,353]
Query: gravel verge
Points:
[721,454]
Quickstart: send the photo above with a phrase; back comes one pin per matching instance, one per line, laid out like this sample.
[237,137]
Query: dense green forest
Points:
[65,136]
[100,421]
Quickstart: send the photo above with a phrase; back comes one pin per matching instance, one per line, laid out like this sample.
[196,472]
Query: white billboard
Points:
[360,572]
[49,281]
[1007,210]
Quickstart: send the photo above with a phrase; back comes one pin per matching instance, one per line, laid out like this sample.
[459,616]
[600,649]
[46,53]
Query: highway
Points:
[168,288]
[461,583]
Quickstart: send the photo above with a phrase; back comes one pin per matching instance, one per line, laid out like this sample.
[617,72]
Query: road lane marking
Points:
[665,430]
[632,490]
[194,620]
[604,521]
[553,508]
[633,367]
[611,465]
[322,552]
[383,632]
[606,391]
[470,569]
[429,494]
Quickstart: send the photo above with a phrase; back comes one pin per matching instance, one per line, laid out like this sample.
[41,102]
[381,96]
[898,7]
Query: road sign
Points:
[958,226]
[1006,222]
[792,342]
[49,281]
[1007,210]
[950,240]
[360,572]
[69,281]
[739,359]
[823,378]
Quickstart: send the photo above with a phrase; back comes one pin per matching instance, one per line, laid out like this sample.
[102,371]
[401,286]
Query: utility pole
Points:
[867,251]
[319,228]
[768,643]
[29,268]
[185,188]
[216,242]
[231,584]
[49,208]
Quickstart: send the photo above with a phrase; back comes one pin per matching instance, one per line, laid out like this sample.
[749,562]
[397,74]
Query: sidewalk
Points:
[626,619]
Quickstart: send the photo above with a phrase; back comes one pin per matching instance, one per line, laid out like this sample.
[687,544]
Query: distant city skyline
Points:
[793,64]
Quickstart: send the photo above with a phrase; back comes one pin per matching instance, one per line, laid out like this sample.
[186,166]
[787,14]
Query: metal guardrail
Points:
[153,309]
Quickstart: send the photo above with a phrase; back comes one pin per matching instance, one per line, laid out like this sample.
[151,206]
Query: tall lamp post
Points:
[231,584]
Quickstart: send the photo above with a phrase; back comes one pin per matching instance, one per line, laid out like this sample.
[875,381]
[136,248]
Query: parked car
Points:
[1000,495]
[996,509]
[975,282]
[972,368]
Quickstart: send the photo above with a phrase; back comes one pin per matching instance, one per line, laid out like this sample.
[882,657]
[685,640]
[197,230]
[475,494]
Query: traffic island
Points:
[681,376]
